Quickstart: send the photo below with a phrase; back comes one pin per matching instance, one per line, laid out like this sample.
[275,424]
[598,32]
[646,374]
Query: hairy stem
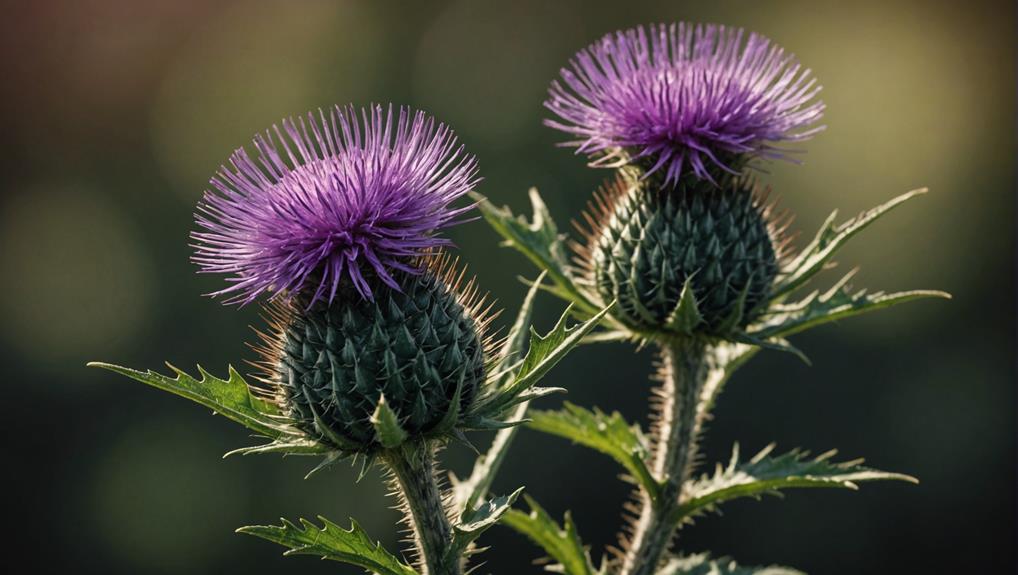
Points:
[413,467]
[684,372]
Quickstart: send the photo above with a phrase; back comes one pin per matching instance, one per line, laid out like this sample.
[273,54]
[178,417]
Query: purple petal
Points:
[337,197]
[683,93]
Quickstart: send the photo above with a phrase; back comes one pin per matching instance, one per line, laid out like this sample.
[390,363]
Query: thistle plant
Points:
[377,348]
[683,240]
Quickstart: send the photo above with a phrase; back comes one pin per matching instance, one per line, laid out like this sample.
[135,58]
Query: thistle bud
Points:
[337,220]
[420,347]
[650,243]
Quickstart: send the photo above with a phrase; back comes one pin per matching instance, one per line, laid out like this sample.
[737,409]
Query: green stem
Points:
[685,370]
[413,467]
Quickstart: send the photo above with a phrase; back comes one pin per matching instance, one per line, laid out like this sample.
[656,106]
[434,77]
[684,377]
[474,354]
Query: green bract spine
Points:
[649,240]
[418,347]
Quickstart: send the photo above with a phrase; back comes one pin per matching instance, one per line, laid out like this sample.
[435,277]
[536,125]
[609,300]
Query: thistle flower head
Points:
[648,246]
[331,198]
[422,351]
[684,98]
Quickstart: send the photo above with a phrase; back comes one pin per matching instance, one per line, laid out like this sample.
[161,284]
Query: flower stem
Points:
[684,372]
[413,468]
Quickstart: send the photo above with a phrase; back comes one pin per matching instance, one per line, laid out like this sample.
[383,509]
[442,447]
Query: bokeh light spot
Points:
[78,279]
[485,67]
[250,66]
[166,513]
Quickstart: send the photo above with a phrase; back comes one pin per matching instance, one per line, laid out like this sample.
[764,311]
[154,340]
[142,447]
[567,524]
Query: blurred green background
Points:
[116,114]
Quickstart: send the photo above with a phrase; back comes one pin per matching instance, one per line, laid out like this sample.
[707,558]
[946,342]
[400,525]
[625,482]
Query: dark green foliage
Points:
[651,239]
[609,434]
[768,474]
[330,541]
[561,543]
[232,398]
[415,347]
[703,564]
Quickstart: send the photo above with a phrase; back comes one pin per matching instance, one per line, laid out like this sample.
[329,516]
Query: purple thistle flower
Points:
[684,97]
[330,198]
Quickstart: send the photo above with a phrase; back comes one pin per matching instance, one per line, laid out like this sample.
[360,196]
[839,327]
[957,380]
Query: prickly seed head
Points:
[651,240]
[422,348]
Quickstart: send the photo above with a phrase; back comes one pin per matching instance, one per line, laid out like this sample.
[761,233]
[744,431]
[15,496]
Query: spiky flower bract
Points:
[646,244]
[684,98]
[331,198]
[422,347]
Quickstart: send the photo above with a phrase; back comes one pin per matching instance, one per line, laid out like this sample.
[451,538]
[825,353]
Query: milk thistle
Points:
[683,240]
[377,346]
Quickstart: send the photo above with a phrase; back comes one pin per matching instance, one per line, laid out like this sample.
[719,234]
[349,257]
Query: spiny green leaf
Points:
[812,259]
[764,474]
[686,315]
[292,446]
[547,350]
[723,360]
[331,541]
[473,522]
[774,343]
[837,303]
[578,311]
[544,352]
[609,434]
[561,544]
[231,398]
[540,242]
[386,423]
[702,564]
[469,492]
[518,333]
[611,337]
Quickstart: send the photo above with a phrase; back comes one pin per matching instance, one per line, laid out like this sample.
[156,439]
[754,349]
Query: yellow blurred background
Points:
[116,114]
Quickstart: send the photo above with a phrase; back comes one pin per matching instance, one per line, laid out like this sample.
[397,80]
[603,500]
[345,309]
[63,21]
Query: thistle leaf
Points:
[473,522]
[611,337]
[725,358]
[386,423]
[773,343]
[469,492]
[294,446]
[561,544]
[232,398]
[837,303]
[609,434]
[764,474]
[332,542]
[545,352]
[702,564]
[540,241]
[812,259]
[518,334]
